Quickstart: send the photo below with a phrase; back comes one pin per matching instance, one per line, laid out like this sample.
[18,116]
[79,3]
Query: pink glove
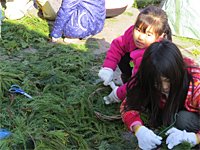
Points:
[106,74]
[177,136]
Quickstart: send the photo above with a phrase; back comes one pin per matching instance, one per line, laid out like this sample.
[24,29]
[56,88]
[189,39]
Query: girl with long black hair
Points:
[165,84]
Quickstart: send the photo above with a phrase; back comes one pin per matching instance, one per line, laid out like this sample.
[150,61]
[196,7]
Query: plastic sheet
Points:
[4,134]
[183,17]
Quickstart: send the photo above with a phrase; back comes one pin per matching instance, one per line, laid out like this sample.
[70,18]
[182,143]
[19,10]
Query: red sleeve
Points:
[130,118]
[118,48]
[193,104]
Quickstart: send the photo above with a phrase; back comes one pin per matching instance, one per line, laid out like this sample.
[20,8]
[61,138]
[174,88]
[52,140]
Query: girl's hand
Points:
[177,136]
[147,139]
[106,74]
[112,97]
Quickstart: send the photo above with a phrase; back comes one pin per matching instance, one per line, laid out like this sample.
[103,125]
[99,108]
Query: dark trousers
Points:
[189,121]
[125,67]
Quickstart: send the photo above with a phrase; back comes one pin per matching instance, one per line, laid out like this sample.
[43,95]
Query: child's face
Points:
[143,40]
[165,85]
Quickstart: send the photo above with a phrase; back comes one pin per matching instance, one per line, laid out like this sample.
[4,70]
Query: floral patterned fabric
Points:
[193,104]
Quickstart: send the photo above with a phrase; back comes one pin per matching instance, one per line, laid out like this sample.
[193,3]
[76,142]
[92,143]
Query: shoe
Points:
[87,37]
[70,40]
[54,39]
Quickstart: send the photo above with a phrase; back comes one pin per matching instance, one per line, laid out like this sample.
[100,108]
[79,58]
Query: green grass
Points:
[183,46]
[128,13]
[112,20]
[195,52]
[92,44]
[144,3]
[190,40]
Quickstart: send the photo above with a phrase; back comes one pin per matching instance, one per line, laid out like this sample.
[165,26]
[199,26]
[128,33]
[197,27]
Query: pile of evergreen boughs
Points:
[60,78]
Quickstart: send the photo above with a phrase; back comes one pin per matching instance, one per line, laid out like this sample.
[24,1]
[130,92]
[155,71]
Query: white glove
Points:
[177,136]
[106,74]
[112,97]
[147,139]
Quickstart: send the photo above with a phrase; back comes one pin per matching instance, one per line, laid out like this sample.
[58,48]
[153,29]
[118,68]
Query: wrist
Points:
[115,95]
[109,69]
[136,127]
[198,137]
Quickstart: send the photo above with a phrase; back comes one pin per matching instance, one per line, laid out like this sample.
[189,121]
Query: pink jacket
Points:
[118,48]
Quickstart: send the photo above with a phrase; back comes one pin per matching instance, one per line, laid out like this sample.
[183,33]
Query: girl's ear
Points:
[162,35]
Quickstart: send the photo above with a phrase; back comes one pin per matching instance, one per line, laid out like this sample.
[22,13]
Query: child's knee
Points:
[181,120]
[186,120]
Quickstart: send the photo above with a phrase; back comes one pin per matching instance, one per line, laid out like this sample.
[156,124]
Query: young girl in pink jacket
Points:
[151,25]
[167,88]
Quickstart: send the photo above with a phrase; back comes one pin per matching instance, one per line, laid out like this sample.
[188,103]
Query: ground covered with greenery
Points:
[60,78]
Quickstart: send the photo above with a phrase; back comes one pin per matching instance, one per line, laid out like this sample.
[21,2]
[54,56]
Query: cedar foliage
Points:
[60,78]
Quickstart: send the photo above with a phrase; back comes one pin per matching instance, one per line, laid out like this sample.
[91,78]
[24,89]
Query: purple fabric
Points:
[79,18]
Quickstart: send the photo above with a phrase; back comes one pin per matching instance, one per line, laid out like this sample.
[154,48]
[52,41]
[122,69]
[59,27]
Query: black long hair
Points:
[144,89]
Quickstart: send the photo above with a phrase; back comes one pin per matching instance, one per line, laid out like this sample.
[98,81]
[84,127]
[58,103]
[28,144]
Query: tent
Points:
[184,17]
